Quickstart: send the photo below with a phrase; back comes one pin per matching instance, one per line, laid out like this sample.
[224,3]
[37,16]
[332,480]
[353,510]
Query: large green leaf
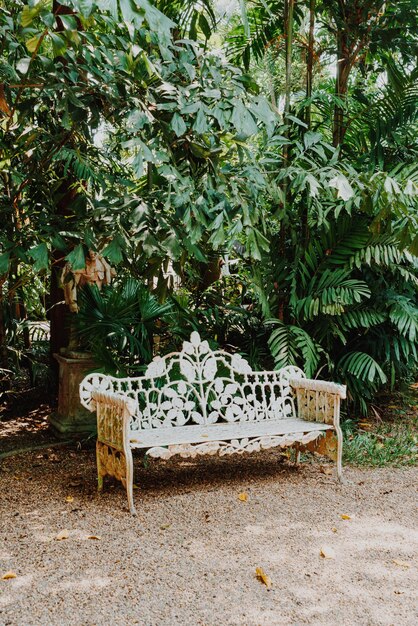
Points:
[243,120]
[178,125]
[4,262]
[40,255]
[114,250]
[76,258]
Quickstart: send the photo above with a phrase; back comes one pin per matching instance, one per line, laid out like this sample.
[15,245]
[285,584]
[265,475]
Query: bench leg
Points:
[119,464]
[339,453]
[99,468]
[297,453]
[130,481]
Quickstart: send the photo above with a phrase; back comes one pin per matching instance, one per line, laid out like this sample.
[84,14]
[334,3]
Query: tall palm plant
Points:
[118,325]
[352,308]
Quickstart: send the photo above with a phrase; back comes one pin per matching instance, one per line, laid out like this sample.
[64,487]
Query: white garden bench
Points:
[198,401]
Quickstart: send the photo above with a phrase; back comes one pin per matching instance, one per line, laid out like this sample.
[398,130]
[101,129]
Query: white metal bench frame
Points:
[200,401]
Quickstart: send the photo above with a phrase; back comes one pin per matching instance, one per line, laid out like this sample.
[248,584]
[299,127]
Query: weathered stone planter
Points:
[71,418]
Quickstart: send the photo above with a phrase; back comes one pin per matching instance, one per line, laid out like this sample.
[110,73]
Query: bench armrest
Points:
[318,400]
[114,412]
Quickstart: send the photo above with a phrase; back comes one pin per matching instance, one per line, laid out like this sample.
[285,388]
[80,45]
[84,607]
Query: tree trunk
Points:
[344,65]
[58,310]
[309,61]
[4,361]
[289,9]
[66,196]
[58,314]
[308,111]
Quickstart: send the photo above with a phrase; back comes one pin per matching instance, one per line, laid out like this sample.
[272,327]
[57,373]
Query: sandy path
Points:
[190,556]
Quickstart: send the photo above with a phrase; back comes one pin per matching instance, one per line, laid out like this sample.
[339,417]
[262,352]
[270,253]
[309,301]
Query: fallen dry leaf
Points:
[327,553]
[325,470]
[8,575]
[344,516]
[334,530]
[263,577]
[243,497]
[94,537]
[64,534]
[398,592]
[69,499]
[401,563]
[164,526]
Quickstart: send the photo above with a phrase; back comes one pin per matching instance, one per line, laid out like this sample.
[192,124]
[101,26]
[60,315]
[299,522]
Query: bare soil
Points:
[191,554]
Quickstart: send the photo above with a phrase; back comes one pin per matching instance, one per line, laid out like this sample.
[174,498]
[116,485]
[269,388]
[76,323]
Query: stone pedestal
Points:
[71,418]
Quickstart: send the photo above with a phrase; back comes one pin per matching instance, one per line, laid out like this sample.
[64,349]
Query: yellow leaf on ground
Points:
[344,516]
[94,537]
[263,577]
[401,563]
[8,575]
[327,553]
[164,526]
[64,534]
[69,499]
[243,497]
[334,530]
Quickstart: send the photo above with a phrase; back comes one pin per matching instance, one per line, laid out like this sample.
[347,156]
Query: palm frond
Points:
[291,345]
[361,366]
[404,315]
[117,324]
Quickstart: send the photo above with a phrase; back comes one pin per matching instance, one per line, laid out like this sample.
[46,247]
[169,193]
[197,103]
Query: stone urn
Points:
[72,419]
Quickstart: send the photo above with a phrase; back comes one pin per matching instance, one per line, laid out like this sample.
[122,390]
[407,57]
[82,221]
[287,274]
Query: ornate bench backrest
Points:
[200,386]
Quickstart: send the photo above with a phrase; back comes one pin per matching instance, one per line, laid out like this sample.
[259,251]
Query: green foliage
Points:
[291,344]
[260,26]
[118,325]
[168,116]
[219,316]
[123,131]
[392,443]
[344,302]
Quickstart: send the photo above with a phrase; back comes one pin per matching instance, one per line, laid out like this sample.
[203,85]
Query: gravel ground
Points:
[190,555]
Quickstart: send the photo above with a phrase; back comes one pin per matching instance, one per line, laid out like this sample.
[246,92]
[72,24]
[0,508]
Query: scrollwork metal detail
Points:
[235,446]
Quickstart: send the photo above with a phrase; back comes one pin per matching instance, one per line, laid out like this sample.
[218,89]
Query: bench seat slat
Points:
[221,431]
